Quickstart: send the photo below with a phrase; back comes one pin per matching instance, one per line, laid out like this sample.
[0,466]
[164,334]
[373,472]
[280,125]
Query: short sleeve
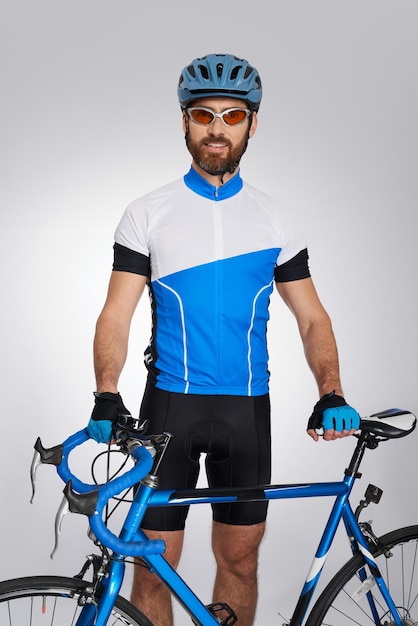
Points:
[126,260]
[294,269]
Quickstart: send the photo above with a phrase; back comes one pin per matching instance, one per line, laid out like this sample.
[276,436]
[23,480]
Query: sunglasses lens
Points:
[230,117]
[234,116]
[201,116]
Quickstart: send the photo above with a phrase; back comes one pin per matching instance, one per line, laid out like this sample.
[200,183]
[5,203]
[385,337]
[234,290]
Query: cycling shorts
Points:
[234,434]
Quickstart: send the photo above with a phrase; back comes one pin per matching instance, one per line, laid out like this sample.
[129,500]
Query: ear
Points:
[185,122]
[253,126]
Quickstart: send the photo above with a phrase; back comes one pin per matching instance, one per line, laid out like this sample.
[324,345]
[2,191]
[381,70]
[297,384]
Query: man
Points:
[210,248]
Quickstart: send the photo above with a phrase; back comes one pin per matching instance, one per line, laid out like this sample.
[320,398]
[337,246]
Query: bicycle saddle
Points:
[389,424]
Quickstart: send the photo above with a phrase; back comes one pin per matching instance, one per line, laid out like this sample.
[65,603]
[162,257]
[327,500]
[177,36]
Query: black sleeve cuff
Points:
[294,269]
[127,260]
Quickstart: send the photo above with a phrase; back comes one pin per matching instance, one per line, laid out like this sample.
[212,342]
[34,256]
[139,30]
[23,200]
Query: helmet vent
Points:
[191,70]
[204,71]
[235,71]
[217,75]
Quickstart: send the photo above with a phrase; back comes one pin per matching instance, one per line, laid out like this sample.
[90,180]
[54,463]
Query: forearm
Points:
[110,350]
[322,355]
[112,328]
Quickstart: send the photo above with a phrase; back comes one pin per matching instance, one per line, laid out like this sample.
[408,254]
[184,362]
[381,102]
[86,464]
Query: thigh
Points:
[177,414]
[240,455]
[237,544]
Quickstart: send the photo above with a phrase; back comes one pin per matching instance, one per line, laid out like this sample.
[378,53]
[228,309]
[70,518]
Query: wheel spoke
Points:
[353,599]
[54,601]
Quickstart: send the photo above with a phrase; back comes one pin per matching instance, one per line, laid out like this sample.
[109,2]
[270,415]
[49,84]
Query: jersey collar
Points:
[201,186]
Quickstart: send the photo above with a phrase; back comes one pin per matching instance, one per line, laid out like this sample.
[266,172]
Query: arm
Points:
[315,331]
[317,337]
[112,328]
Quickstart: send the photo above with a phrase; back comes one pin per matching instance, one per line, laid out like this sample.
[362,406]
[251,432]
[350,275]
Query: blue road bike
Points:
[378,584]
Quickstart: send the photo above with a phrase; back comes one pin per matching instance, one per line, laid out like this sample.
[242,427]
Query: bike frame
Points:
[148,496]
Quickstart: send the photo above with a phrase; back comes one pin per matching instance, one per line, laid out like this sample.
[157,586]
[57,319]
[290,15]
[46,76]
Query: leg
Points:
[240,455]
[148,592]
[236,553]
[177,414]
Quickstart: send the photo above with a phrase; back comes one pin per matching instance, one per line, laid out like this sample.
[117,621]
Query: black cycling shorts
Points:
[234,434]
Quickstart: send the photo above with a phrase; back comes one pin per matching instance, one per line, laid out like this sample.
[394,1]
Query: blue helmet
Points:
[220,75]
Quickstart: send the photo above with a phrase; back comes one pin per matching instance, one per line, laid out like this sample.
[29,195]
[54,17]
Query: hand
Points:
[335,416]
[108,408]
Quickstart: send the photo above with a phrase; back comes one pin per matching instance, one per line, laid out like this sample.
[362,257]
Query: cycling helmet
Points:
[220,75]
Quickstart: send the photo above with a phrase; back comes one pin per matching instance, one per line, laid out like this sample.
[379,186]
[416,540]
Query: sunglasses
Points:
[206,117]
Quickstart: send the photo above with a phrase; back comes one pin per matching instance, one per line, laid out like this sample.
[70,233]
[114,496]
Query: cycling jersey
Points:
[211,254]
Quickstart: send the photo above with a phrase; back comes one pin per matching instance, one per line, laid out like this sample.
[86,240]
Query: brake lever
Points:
[36,462]
[50,456]
[64,508]
[73,502]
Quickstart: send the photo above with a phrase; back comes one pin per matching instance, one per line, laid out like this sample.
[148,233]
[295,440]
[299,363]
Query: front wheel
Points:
[346,599]
[53,600]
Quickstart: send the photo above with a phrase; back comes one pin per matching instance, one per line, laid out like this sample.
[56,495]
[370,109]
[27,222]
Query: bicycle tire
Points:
[52,600]
[343,602]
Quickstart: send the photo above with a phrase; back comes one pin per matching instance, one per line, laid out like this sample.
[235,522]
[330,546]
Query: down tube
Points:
[190,602]
[179,588]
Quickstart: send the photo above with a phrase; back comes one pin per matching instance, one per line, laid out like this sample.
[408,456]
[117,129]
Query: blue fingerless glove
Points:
[332,412]
[108,408]
[100,431]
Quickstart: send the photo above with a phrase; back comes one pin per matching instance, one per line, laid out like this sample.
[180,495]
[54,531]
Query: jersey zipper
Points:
[219,255]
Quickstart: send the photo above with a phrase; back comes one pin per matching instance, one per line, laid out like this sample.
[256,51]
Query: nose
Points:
[218,125]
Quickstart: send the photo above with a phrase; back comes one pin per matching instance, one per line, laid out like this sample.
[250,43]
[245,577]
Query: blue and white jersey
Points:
[211,254]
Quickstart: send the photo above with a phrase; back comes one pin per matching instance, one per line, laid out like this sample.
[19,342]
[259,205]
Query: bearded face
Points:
[215,153]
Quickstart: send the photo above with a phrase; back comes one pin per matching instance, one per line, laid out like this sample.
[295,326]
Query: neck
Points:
[217,180]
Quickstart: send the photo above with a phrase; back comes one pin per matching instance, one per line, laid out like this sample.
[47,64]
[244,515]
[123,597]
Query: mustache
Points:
[215,139]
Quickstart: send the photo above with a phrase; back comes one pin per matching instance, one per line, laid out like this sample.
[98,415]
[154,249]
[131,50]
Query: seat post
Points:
[356,459]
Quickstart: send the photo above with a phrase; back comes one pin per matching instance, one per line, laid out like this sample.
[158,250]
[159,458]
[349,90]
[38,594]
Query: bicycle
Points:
[377,585]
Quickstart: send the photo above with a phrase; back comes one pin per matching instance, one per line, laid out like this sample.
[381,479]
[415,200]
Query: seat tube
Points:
[319,559]
[352,523]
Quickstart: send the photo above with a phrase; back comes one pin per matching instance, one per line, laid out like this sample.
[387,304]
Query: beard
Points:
[214,164]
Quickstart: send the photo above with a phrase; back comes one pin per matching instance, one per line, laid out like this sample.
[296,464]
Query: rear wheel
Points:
[345,601]
[54,601]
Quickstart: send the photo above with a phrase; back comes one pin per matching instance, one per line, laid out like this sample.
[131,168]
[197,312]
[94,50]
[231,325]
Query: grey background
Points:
[90,121]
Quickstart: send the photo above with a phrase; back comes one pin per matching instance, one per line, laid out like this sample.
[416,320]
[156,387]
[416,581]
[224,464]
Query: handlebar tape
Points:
[106,491]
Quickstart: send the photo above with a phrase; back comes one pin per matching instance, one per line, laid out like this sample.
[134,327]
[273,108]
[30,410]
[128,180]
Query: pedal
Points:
[223,608]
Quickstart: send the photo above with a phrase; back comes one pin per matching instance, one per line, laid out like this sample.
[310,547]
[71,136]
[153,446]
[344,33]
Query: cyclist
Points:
[210,247]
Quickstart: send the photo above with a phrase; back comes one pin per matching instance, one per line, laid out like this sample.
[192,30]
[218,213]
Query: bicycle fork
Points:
[93,614]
